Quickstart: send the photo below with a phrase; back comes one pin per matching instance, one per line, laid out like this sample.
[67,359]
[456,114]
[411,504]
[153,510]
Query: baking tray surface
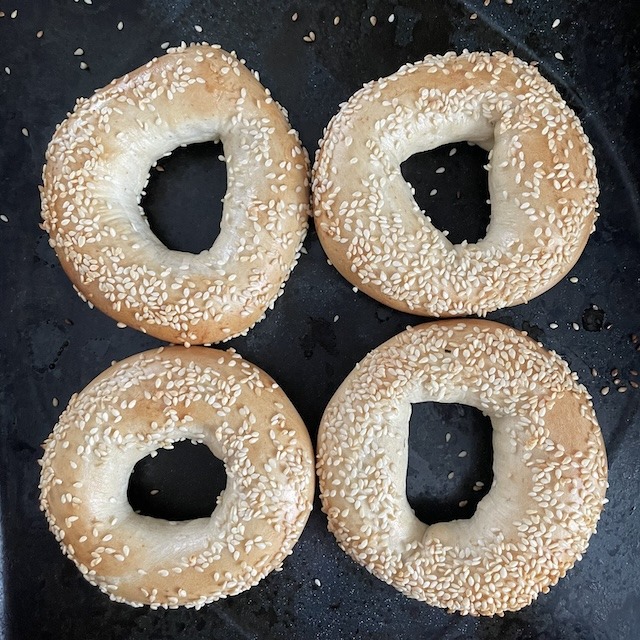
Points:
[52,344]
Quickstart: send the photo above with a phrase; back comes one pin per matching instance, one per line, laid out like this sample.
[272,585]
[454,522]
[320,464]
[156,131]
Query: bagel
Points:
[549,467]
[153,400]
[97,166]
[542,182]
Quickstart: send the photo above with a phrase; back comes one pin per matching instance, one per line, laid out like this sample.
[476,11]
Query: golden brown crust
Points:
[97,166]
[550,472]
[150,401]
[542,181]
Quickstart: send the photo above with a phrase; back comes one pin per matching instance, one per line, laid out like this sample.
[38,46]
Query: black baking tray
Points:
[52,344]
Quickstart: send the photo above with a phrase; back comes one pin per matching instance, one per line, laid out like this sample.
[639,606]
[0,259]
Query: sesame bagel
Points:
[153,400]
[97,168]
[542,182]
[549,467]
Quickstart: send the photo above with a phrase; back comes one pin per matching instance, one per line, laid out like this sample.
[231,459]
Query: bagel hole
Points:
[182,483]
[455,200]
[432,494]
[183,199]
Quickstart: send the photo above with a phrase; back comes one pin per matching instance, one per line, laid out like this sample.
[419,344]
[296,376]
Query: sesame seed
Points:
[633,383]
[553,325]
[373,20]
[391,18]
[576,326]
[615,373]
[14,13]
[294,17]
[120,26]
[164,45]
[54,402]
[39,34]
[310,37]
[83,65]
[450,475]
[556,23]
[453,151]
[463,503]
[462,454]
[25,132]
[336,318]
[473,16]
[433,192]
[121,325]
[336,20]
[440,170]
[317,582]
[4,218]
[558,55]
[633,372]
[447,437]
[573,279]
[604,391]
[154,492]
[7,70]
[622,389]
[78,52]
[594,372]
[198,28]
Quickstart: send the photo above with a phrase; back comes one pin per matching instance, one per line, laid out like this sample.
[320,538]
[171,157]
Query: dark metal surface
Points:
[52,344]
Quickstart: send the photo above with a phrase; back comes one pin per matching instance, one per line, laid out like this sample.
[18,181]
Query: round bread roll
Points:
[549,467]
[153,400]
[542,181]
[97,168]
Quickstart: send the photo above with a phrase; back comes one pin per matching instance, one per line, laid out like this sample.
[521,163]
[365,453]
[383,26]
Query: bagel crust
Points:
[542,182]
[150,401]
[97,168]
[549,467]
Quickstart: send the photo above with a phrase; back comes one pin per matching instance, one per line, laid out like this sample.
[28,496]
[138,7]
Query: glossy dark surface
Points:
[52,345]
